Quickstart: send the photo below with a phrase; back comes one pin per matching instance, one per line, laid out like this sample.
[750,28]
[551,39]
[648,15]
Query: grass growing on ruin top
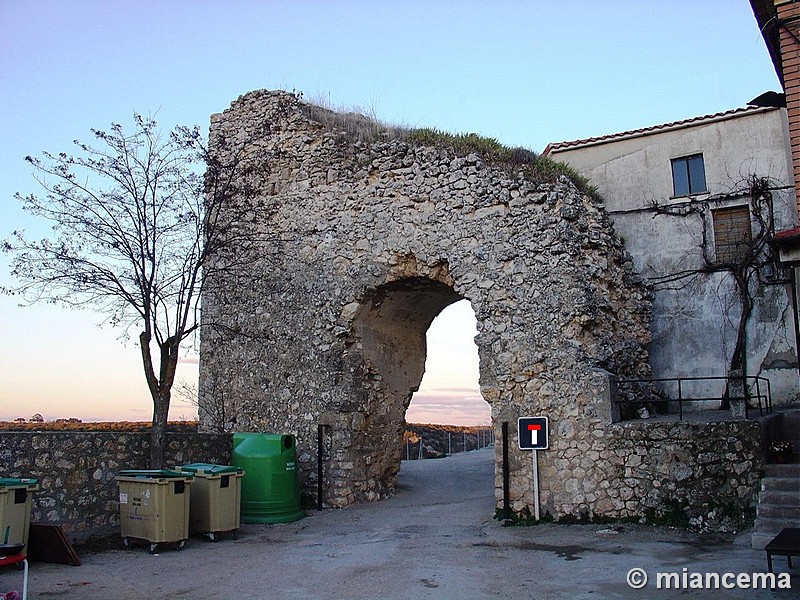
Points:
[536,167]
[362,128]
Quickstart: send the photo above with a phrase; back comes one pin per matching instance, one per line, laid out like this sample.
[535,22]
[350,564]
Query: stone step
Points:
[791,470]
[774,525]
[779,500]
[789,498]
[767,528]
[759,540]
[782,484]
[791,420]
[778,511]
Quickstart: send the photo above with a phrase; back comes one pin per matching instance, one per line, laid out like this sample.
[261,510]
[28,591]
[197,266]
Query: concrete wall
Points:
[695,319]
[636,166]
[76,471]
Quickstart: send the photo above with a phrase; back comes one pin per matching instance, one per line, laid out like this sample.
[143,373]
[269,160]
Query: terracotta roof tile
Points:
[568,145]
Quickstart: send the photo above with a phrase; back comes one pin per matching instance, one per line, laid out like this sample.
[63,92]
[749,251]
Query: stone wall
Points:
[701,475]
[370,240]
[76,471]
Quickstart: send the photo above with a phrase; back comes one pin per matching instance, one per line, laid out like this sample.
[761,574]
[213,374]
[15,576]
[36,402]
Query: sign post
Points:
[533,435]
[535,460]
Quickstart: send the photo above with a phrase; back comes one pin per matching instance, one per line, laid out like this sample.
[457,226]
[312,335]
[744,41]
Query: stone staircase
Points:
[778,503]
[779,498]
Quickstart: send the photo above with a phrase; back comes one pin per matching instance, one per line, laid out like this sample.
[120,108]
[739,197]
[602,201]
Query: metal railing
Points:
[758,392]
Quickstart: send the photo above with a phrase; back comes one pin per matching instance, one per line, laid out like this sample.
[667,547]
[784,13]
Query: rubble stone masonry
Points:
[76,471]
[371,240]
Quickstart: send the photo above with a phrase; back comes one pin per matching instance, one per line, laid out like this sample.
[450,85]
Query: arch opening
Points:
[448,414]
[391,330]
[392,325]
[449,393]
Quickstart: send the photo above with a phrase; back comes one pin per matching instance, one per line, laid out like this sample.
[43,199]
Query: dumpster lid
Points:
[12,482]
[153,474]
[210,469]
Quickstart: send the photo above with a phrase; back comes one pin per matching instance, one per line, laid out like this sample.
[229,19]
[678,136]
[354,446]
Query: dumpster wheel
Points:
[154,546]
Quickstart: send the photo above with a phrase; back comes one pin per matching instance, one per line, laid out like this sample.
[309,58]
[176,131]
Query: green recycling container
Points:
[15,510]
[270,488]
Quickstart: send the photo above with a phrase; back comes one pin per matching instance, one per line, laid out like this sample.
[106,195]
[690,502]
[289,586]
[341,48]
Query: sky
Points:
[525,72]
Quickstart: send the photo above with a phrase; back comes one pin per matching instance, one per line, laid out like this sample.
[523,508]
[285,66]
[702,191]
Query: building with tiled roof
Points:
[557,147]
[697,203]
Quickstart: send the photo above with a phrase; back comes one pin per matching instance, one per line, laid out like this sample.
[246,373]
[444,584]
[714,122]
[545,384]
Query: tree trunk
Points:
[737,373]
[158,431]
[739,358]
[160,390]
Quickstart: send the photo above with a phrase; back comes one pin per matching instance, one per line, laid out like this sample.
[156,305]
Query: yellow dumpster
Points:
[154,506]
[215,504]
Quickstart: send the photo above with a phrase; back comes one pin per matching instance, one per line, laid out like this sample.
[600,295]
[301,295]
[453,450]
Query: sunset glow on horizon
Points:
[449,393]
[115,388]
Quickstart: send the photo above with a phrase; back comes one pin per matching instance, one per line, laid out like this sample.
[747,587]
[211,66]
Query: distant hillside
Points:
[76,425]
[440,440]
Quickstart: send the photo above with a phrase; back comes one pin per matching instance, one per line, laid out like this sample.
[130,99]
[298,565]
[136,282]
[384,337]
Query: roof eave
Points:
[565,146]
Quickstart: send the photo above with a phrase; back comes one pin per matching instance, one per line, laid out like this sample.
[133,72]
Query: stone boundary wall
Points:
[701,475]
[76,471]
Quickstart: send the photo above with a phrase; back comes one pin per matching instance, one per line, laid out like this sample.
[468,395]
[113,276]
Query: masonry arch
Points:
[390,332]
[371,241]
[392,324]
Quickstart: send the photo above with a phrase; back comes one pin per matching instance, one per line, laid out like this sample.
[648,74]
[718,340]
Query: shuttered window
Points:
[732,234]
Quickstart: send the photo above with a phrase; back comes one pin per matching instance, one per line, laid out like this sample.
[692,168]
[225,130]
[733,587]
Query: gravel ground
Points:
[435,539]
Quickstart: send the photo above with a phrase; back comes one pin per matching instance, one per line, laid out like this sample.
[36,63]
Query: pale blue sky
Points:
[524,72]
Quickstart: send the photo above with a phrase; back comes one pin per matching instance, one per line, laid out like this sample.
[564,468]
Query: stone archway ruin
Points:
[373,238]
[390,329]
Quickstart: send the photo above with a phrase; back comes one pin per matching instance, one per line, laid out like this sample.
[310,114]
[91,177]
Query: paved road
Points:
[435,539]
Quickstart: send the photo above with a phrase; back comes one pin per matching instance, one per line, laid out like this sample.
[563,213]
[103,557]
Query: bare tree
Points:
[140,223]
[749,268]
[217,411]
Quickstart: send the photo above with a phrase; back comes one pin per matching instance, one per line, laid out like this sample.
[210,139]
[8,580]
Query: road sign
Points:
[533,434]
